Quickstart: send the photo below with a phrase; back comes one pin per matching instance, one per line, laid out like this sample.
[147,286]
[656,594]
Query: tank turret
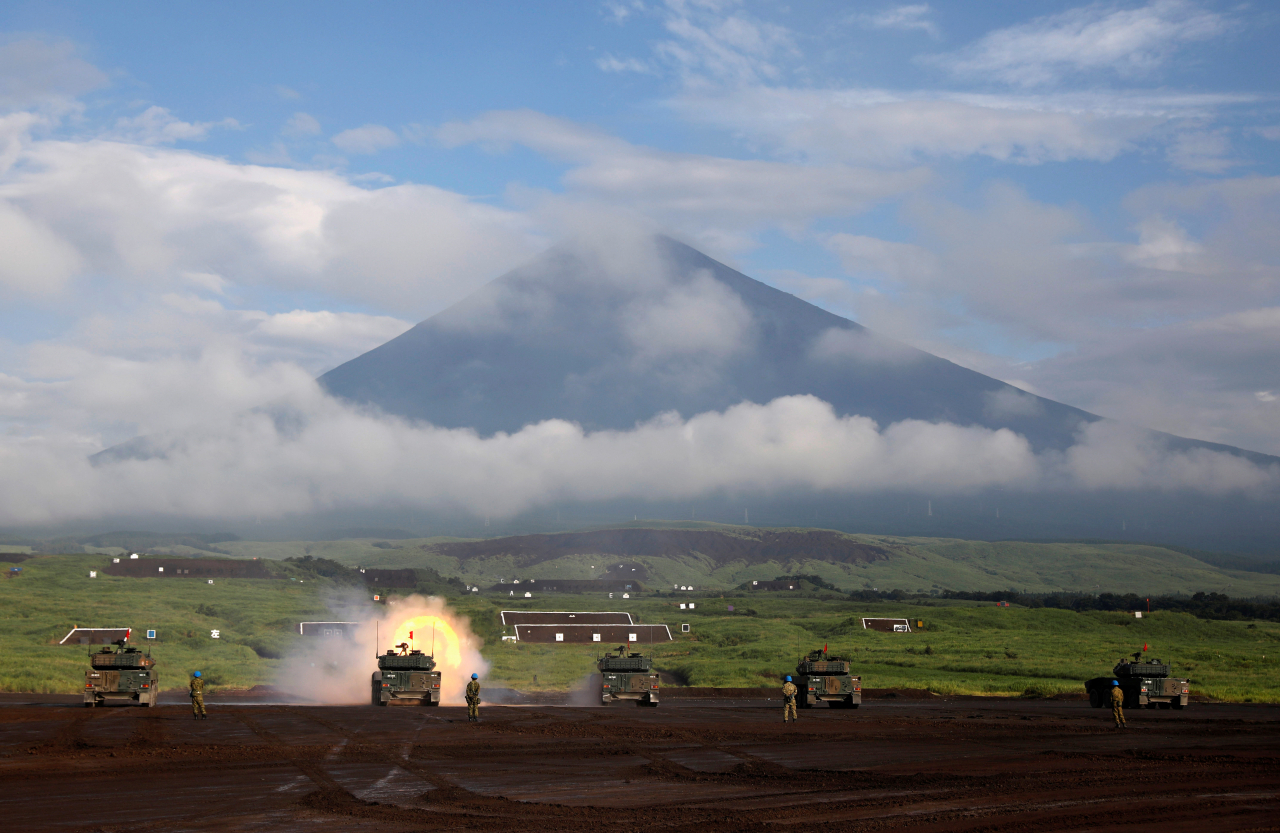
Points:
[123,675]
[1150,669]
[405,676]
[822,677]
[409,661]
[623,660]
[625,675]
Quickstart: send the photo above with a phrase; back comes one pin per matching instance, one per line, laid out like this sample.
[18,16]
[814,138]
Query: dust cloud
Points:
[338,671]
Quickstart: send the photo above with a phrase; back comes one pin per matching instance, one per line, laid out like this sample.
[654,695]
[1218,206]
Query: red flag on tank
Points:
[824,649]
[411,637]
[1144,647]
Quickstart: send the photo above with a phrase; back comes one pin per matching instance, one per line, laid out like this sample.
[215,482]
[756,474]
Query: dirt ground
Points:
[940,764]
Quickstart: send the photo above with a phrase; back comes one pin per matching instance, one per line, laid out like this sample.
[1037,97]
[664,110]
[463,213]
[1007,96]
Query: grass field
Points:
[258,621]
[963,648]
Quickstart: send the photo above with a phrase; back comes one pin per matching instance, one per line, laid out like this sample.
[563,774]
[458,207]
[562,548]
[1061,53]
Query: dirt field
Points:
[692,764]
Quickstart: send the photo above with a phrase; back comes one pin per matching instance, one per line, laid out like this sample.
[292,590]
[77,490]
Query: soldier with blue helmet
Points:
[473,699]
[197,696]
[789,692]
[1117,704]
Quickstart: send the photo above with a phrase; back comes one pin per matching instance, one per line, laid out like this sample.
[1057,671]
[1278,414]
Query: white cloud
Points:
[302,124]
[1202,151]
[701,318]
[620,10]
[36,260]
[859,253]
[1110,455]
[156,125]
[884,127]
[109,210]
[1005,403]
[1169,324]
[1163,244]
[1096,37]
[172,364]
[272,463]
[37,73]
[1263,319]
[609,63]
[1197,378]
[717,42]
[687,190]
[346,333]
[911,17]
[370,138]
[840,346]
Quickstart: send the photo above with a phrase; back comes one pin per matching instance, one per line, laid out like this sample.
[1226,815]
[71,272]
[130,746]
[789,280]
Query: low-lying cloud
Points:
[314,453]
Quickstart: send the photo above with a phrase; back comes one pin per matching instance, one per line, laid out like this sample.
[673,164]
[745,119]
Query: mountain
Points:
[566,337]
[612,336]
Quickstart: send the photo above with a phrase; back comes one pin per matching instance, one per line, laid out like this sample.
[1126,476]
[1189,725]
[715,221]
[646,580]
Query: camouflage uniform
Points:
[473,700]
[789,692]
[1117,706]
[197,697]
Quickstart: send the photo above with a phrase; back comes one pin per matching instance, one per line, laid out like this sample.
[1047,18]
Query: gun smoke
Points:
[338,671]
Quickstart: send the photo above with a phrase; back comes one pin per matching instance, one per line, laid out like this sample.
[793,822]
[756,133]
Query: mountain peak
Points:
[609,338]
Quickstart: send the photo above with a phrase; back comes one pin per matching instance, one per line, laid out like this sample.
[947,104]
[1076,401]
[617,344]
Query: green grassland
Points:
[964,647]
[258,621]
[916,565]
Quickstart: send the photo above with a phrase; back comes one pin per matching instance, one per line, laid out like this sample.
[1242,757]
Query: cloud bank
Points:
[314,453]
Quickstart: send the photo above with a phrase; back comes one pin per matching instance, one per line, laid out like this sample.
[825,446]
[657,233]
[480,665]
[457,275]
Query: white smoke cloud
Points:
[339,671]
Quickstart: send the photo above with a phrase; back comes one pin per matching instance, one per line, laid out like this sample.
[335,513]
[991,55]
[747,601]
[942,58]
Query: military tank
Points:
[1145,683]
[123,676]
[821,677]
[407,677]
[627,676]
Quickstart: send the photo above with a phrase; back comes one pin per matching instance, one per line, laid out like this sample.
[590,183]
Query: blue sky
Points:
[1077,198]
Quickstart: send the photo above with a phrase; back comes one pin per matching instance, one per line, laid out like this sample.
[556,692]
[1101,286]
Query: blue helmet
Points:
[788,678]
[475,676]
[197,674]
[1115,682]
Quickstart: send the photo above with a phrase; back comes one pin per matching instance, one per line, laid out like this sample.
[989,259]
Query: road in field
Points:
[689,765]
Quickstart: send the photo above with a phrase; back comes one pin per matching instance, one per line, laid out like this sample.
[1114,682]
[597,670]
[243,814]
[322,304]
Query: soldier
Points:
[473,699]
[1117,704]
[789,692]
[197,696]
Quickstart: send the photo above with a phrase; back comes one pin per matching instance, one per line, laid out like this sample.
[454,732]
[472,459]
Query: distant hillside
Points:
[743,545]
[722,557]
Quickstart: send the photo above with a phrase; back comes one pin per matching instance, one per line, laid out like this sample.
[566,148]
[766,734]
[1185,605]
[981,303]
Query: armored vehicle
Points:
[407,677]
[125,675]
[627,676]
[1144,683]
[821,677]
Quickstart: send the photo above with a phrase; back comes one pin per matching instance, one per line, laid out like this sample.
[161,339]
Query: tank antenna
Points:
[377,637]
[433,637]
